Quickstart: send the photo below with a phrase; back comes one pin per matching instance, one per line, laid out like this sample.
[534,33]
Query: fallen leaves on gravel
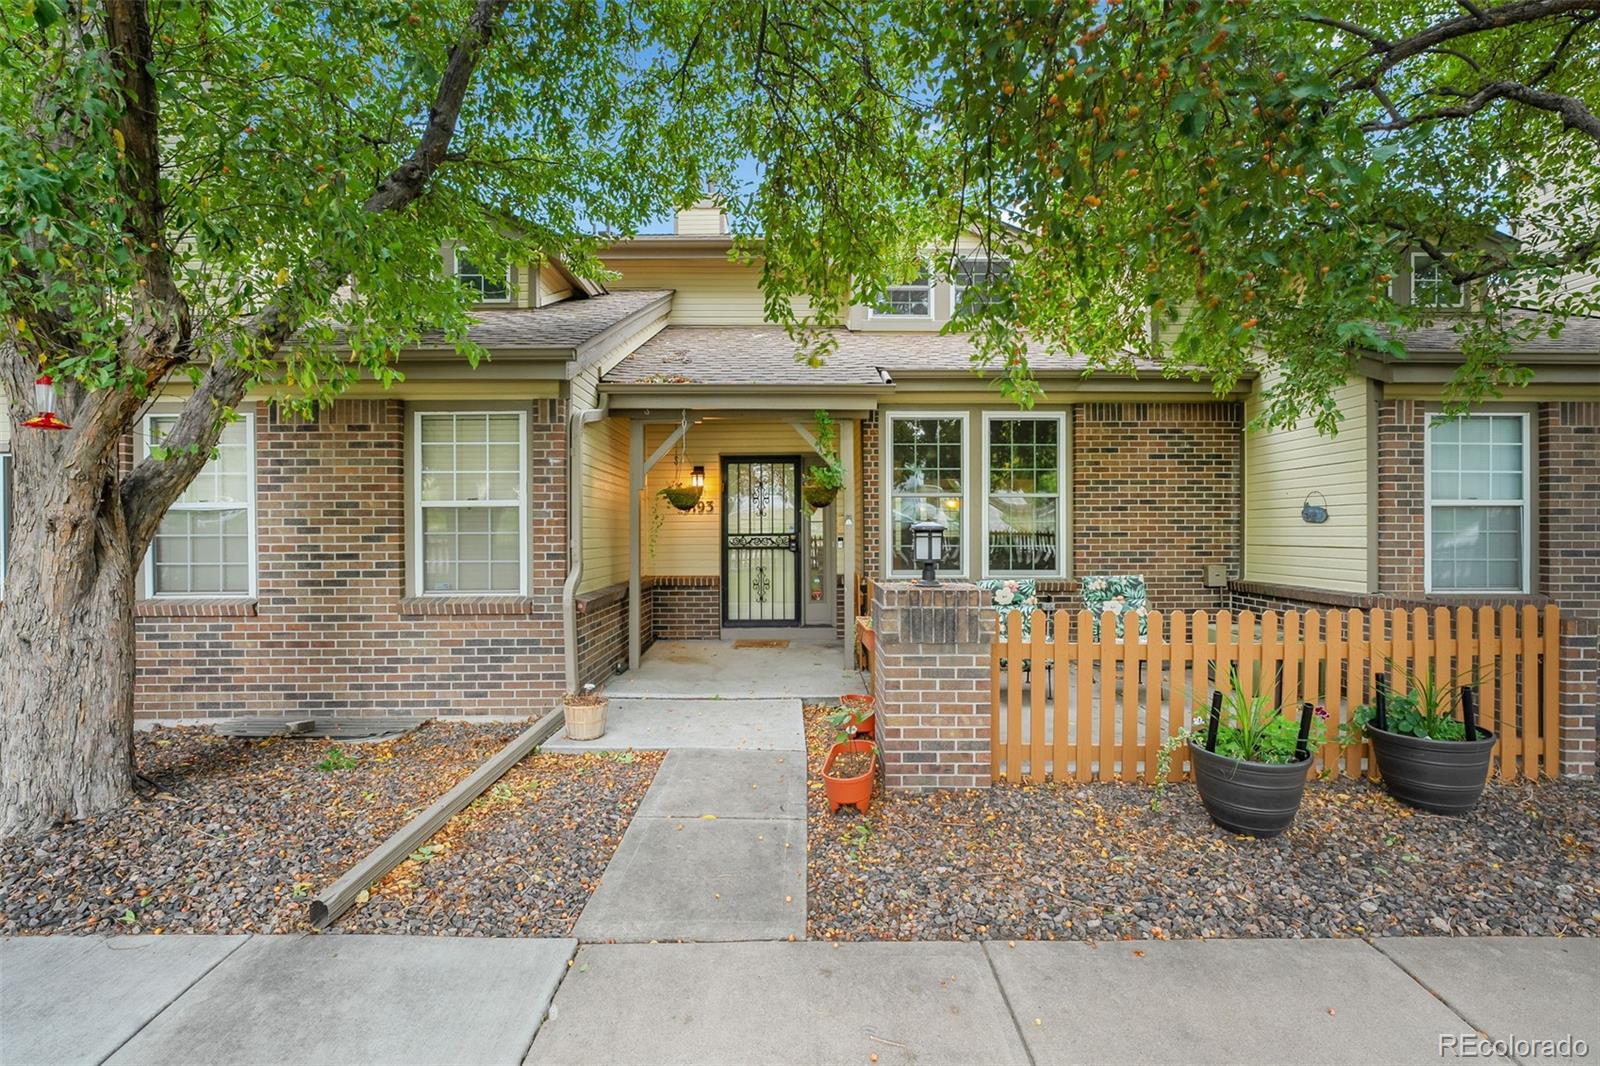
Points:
[1094,861]
[238,834]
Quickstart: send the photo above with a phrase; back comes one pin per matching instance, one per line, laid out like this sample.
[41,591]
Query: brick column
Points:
[930,675]
[1580,696]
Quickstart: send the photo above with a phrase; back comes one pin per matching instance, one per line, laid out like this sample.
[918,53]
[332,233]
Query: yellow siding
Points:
[552,286]
[1280,468]
[605,504]
[690,544]
[709,292]
[701,220]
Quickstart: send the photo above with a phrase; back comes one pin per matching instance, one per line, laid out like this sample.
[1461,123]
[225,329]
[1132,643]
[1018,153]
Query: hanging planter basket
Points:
[816,494]
[683,497]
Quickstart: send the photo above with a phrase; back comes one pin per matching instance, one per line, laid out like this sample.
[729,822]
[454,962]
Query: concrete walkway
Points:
[698,669]
[662,724]
[370,999]
[716,851]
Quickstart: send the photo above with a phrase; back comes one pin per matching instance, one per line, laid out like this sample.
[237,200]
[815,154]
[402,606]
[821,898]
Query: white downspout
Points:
[569,589]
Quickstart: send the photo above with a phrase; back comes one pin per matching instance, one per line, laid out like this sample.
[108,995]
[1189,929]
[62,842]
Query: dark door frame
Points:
[794,462]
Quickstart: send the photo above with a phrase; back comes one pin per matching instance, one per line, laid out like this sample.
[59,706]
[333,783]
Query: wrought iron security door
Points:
[761,542]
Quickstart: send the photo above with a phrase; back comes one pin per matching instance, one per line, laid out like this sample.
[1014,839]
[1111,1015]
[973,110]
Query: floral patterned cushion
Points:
[1121,595]
[1014,597]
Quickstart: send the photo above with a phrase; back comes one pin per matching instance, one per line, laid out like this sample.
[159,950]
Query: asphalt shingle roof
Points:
[1580,336]
[567,325]
[765,355]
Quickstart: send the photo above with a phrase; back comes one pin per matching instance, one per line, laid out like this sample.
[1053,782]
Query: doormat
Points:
[761,644]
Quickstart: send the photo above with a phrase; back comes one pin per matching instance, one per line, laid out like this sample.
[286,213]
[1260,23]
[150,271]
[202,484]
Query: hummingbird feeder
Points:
[44,398]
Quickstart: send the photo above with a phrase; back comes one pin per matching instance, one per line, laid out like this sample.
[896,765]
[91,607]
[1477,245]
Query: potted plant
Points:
[1250,760]
[856,717]
[1427,757]
[683,497]
[585,713]
[824,480]
[848,770]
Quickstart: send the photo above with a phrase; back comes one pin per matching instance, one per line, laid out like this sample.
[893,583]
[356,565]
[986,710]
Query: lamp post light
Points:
[927,541]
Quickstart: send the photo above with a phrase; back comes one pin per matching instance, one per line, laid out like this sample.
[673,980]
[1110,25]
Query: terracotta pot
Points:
[849,791]
[1439,776]
[856,703]
[585,720]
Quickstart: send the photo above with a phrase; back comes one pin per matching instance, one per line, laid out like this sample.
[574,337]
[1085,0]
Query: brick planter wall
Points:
[1157,491]
[687,608]
[331,630]
[603,631]
[931,680]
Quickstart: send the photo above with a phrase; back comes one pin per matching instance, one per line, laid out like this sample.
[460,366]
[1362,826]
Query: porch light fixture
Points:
[927,542]
[697,477]
[44,398]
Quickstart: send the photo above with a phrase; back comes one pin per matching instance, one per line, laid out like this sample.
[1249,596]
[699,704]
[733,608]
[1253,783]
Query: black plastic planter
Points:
[1258,799]
[1441,776]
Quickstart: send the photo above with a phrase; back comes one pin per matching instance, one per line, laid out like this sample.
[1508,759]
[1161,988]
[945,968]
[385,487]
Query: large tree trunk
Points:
[66,647]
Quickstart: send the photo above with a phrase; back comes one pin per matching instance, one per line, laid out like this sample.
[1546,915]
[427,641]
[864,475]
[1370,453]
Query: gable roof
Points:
[559,330]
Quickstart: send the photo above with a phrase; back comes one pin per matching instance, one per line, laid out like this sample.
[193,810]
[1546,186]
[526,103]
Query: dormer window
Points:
[1431,286]
[911,300]
[977,282]
[490,290]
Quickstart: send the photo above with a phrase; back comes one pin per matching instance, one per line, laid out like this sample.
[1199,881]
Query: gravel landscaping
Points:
[237,835]
[522,859]
[1096,862]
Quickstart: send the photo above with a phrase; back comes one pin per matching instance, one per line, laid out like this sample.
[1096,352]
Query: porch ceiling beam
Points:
[805,434]
[666,446]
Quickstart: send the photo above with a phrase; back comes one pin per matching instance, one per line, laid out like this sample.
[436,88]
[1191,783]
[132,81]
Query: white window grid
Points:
[1433,275]
[421,507]
[1523,504]
[976,266]
[202,496]
[905,296]
[1060,495]
[891,494]
[472,276]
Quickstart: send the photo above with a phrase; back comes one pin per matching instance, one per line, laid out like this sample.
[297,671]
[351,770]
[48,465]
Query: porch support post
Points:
[635,556]
[847,459]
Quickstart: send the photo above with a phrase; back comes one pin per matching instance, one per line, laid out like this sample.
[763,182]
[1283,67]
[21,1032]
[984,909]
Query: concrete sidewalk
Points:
[371,999]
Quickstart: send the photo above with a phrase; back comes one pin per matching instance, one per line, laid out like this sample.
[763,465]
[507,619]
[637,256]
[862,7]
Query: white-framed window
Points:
[471,503]
[490,290]
[975,280]
[1025,505]
[925,481]
[914,299]
[205,547]
[1478,517]
[1431,286]
[5,516]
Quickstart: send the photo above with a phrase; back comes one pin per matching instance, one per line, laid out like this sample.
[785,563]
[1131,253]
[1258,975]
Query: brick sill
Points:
[198,608]
[467,606]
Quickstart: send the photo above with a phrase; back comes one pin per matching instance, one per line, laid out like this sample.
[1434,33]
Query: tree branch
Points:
[151,487]
[1573,112]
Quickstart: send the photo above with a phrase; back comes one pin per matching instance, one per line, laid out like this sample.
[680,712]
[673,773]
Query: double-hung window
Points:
[490,289]
[914,299]
[471,502]
[1024,507]
[926,483]
[1431,286]
[976,283]
[1478,508]
[206,544]
[5,516]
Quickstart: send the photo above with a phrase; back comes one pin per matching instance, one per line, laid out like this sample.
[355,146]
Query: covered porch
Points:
[744,664]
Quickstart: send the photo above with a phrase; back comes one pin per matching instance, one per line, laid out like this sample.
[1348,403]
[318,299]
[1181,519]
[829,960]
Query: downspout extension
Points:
[569,589]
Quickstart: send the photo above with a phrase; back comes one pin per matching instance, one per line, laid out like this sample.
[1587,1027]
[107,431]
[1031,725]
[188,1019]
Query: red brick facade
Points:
[332,629]
[1157,490]
[687,608]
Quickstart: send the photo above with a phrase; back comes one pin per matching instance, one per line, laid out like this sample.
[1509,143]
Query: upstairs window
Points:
[1431,286]
[1478,511]
[490,289]
[471,499]
[914,299]
[977,283]
[205,546]
[927,461]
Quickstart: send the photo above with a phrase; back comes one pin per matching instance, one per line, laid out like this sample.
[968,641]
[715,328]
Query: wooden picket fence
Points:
[1069,706]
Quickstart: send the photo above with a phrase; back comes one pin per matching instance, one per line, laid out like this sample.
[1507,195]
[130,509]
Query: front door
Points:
[761,542]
